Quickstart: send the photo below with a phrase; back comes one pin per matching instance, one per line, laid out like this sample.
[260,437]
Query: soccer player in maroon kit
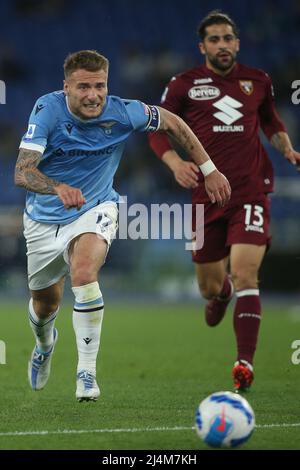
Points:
[225,103]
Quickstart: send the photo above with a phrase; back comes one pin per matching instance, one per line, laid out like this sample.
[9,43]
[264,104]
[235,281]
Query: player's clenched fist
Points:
[218,188]
[71,197]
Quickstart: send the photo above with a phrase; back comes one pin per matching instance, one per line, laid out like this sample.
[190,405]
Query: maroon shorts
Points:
[245,222]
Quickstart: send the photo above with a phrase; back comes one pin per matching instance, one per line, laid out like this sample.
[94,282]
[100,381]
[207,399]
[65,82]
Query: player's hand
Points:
[217,188]
[293,157]
[70,197]
[186,174]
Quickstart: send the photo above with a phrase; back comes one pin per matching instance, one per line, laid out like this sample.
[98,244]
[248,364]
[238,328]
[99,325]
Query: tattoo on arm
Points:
[281,142]
[180,132]
[29,177]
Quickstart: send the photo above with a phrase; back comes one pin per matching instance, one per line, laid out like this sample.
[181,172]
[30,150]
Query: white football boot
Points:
[87,387]
[40,364]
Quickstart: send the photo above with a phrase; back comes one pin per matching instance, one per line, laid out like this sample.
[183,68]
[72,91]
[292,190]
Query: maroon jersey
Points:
[226,113]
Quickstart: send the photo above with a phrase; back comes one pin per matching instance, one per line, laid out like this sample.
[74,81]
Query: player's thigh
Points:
[90,237]
[245,261]
[87,254]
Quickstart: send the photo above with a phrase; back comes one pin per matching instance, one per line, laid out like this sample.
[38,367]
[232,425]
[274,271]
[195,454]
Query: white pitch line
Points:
[132,430]
[278,425]
[93,431]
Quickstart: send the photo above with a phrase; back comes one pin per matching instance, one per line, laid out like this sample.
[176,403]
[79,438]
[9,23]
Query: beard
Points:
[222,64]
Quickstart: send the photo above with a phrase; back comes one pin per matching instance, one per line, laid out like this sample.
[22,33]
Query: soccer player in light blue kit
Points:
[67,162]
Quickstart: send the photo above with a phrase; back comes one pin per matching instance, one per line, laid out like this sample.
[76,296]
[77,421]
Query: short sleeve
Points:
[40,124]
[173,96]
[270,121]
[143,117]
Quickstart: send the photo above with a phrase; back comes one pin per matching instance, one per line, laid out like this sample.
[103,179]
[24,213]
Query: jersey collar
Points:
[230,75]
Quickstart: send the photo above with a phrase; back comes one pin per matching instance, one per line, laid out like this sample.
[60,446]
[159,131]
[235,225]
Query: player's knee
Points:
[244,279]
[87,292]
[209,290]
[83,275]
[45,308]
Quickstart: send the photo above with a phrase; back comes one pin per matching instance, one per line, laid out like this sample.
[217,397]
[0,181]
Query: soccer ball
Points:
[224,419]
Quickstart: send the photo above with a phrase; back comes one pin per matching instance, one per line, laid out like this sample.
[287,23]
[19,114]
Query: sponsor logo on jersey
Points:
[69,127]
[228,128]
[246,86]
[84,153]
[254,228]
[38,108]
[30,131]
[204,92]
[228,113]
[200,81]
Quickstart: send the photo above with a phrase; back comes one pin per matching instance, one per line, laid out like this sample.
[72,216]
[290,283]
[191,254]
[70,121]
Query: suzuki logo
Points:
[228,107]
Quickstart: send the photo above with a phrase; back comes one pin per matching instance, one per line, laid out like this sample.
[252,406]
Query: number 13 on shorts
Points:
[254,215]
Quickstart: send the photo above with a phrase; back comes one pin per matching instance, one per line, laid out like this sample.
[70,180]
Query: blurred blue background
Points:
[147,43]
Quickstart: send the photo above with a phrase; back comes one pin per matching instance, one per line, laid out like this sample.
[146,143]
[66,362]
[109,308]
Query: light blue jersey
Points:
[84,154]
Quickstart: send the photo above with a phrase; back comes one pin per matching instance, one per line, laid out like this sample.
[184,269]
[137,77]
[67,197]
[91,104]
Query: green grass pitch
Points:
[156,363]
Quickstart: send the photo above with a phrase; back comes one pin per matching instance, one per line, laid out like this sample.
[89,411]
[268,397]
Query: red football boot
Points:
[242,374]
[215,309]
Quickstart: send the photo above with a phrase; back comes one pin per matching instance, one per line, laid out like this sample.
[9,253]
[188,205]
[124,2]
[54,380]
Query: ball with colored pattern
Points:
[225,419]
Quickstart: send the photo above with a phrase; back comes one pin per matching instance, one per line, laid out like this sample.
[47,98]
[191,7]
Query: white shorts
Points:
[48,245]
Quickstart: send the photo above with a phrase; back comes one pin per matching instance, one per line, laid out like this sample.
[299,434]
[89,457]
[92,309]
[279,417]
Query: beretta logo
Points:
[204,92]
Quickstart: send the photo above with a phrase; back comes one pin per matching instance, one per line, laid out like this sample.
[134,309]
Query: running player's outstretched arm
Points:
[216,184]
[283,144]
[274,128]
[28,176]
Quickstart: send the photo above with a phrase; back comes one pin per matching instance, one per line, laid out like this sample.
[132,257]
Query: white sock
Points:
[42,328]
[87,322]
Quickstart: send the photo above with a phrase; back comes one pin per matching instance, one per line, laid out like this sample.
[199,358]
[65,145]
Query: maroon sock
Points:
[226,289]
[246,321]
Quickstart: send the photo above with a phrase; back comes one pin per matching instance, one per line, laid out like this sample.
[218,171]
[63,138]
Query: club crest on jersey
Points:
[107,126]
[204,92]
[247,86]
